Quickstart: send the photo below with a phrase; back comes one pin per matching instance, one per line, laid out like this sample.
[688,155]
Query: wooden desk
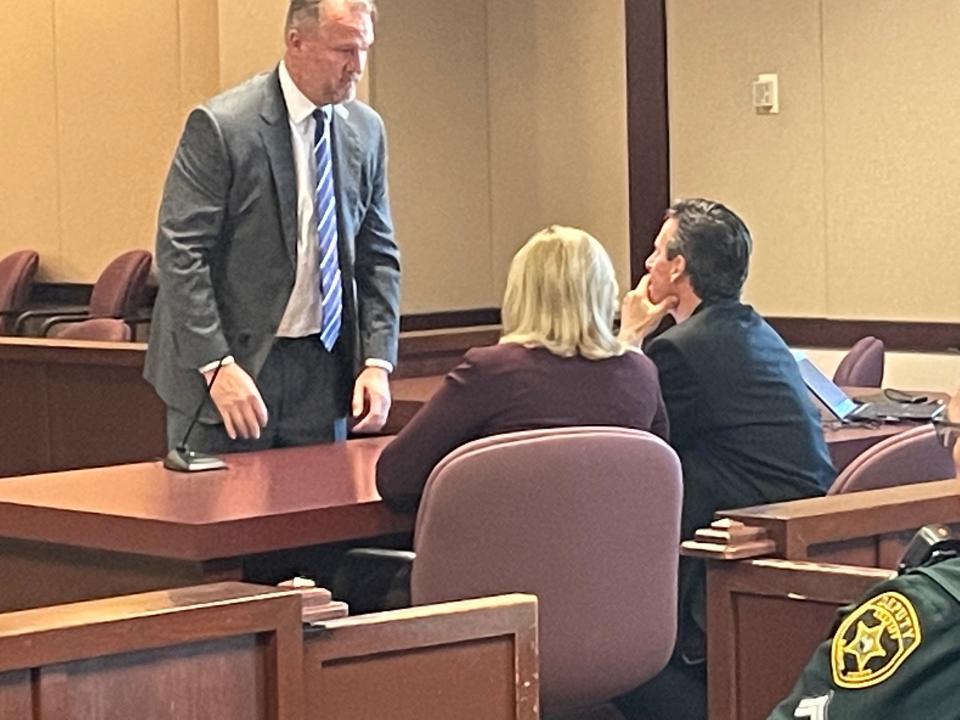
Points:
[845,442]
[240,652]
[71,403]
[83,534]
[766,616]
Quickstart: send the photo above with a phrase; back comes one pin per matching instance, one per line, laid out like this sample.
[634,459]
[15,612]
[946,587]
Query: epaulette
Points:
[931,544]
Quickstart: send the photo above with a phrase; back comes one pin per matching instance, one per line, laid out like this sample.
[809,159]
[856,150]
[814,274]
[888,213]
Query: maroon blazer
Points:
[505,388]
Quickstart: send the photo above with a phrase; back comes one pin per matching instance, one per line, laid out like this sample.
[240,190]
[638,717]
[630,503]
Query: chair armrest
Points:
[144,317]
[50,322]
[139,319]
[12,328]
[25,317]
[374,579]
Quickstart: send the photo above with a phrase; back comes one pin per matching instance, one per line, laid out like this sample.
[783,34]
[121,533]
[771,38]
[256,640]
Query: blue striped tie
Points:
[325,209]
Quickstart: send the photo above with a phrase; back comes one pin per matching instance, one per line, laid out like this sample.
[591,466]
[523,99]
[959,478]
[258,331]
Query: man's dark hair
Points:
[716,245]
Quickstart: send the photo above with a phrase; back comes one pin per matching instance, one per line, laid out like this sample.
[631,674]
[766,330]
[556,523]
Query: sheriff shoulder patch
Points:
[874,640]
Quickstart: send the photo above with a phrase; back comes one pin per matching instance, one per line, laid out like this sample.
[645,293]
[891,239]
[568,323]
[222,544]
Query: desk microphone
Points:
[182,458]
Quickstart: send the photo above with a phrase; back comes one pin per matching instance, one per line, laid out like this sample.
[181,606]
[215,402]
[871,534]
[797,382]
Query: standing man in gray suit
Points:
[278,267]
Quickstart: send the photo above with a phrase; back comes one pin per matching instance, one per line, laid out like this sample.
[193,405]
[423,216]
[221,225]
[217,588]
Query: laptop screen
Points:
[836,400]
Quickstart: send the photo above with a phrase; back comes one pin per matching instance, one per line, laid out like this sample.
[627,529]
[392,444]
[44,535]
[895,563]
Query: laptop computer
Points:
[846,409]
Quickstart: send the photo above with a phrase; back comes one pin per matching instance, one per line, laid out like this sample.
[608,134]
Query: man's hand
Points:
[639,315]
[371,390]
[238,401]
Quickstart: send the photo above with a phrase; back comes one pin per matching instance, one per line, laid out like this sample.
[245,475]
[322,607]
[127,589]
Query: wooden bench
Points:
[239,652]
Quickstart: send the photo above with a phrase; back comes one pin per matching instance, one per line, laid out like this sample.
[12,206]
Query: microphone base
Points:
[184,460]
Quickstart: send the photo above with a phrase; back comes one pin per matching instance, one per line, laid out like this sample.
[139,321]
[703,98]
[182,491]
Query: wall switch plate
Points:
[766,94]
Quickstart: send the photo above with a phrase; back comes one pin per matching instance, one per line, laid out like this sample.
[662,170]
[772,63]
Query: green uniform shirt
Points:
[895,656]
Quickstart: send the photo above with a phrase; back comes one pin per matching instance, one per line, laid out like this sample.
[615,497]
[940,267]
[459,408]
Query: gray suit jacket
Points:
[227,239]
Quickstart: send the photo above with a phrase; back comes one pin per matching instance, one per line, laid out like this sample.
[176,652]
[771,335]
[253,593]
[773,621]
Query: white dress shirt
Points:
[304,314]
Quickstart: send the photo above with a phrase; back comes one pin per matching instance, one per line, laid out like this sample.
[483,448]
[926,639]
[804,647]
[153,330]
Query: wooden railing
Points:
[242,652]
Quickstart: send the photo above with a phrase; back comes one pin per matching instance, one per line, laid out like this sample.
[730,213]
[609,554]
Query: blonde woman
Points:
[558,363]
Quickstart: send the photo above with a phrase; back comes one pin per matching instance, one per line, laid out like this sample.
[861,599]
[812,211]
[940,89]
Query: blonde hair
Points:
[562,295]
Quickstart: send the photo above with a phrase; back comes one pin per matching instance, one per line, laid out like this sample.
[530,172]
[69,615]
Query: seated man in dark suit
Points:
[741,419]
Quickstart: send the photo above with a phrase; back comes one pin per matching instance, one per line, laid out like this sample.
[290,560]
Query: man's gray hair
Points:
[300,10]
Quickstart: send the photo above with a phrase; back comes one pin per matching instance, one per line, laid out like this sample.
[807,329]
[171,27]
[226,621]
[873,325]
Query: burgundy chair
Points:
[117,293]
[17,271]
[862,366]
[910,457]
[586,518]
[103,329]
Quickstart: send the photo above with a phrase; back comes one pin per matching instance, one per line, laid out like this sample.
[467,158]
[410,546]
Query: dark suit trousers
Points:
[305,389]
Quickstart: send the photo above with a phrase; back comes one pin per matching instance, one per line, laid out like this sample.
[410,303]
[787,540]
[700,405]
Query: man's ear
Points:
[294,40]
[678,266]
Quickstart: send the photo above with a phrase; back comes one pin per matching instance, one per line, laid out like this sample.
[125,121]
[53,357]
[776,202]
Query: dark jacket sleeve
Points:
[191,218]
[377,266]
[660,425]
[679,391]
[452,417]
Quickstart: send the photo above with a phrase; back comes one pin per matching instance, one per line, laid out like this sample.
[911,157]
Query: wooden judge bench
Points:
[778,573]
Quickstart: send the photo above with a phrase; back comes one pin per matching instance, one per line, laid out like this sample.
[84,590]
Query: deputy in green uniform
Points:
[896,656]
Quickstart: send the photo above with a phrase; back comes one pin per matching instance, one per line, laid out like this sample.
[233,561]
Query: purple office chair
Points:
[117,293]
[103,329]
[862,366]
[17,271]
[910,457]
[586,518]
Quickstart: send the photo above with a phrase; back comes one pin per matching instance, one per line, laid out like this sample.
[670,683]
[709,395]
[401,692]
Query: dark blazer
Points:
[227,239]
[741,419]
[505,388]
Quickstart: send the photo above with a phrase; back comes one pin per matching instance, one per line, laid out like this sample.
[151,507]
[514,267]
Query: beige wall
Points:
[94,92]
[250,36]
[502,117]
[558,124]
[430,85]
[849,190]
[29,181]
